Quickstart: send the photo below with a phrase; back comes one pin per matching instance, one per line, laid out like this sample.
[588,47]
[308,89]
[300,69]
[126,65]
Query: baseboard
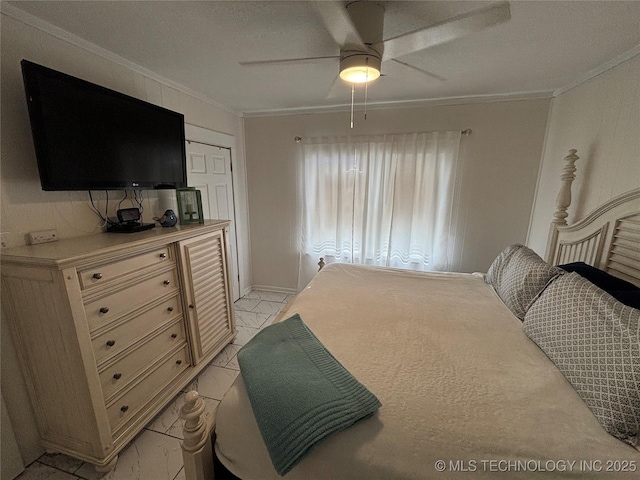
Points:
[270,288]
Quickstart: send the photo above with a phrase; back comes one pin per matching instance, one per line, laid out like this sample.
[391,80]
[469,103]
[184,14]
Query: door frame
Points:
[202,135]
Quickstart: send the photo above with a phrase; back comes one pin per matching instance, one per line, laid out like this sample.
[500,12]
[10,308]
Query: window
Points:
[383,200]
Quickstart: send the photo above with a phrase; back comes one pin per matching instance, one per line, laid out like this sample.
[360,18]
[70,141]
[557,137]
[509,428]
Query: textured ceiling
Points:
[545,46]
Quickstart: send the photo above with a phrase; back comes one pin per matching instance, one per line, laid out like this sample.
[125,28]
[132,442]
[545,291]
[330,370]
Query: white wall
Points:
[25,207]
[601,119]
[500,167]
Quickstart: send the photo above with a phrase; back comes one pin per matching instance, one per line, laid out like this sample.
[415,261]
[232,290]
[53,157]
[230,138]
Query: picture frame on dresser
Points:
[189,205]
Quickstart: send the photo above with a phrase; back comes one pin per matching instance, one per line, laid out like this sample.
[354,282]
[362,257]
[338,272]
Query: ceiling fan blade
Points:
[338,23]
[445,31]
[425,72]
[286,61]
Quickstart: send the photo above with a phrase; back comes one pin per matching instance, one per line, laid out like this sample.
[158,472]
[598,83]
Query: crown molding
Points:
[614,62]
[44,26]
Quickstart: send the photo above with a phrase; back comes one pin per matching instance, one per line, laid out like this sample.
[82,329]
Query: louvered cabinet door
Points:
[209,308]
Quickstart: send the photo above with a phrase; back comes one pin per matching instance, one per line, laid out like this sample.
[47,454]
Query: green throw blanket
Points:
[298,391]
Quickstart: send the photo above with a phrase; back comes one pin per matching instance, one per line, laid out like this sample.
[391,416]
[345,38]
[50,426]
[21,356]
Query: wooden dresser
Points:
[110,327]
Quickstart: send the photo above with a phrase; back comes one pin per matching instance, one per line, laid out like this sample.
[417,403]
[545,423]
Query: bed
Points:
[467,367]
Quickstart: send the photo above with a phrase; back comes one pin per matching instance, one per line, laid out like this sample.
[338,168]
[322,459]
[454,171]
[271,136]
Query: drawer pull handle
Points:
[166,282]
[170,309]
[104,310]
[117,376]
[174,335]
[97,276]
[111,343]
[191,306]
[178,362]
[124,408]
[163,255]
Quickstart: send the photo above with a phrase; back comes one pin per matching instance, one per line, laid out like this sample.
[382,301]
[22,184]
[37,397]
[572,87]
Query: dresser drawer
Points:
[125,369]
[130,297]
[102,274]
[125,408]
[116,339]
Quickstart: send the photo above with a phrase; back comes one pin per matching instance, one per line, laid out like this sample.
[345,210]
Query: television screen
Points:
[88,137]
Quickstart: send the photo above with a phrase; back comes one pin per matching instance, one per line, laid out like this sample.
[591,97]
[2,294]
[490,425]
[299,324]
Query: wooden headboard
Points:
[608,238]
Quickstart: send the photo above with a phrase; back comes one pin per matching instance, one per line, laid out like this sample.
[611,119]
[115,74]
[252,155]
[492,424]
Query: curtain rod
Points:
[467,132]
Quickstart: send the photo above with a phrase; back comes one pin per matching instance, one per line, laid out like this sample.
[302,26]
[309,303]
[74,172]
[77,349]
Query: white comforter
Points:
[465,394]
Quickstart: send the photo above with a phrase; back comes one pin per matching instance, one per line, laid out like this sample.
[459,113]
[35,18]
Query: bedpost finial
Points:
[190,398]
[195,417]
[563,200]
[193,405]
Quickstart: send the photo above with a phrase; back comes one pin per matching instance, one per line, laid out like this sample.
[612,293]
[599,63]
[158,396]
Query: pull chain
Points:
[353,89]
[366,89]
[366,92]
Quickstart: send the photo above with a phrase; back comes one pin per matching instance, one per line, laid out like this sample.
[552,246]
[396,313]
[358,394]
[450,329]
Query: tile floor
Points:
[155,454]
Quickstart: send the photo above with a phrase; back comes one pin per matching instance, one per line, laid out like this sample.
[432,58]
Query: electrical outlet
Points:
[42,236]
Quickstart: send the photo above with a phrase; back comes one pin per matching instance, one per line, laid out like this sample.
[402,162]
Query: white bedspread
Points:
[459,383]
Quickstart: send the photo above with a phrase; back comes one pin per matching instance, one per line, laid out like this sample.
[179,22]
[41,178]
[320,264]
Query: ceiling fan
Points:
[357,28]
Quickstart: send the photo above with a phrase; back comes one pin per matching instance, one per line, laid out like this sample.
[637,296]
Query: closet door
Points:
[207,297]
[209,170]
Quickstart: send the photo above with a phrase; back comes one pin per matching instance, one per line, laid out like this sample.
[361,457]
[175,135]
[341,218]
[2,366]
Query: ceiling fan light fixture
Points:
[360,68]
[359,74]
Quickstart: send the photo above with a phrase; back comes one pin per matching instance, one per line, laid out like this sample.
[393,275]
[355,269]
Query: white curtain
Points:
[386,200]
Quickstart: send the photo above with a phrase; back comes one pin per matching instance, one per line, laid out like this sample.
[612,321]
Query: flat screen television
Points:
[88,137]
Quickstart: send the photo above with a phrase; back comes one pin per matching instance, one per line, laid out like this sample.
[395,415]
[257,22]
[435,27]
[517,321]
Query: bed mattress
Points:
[463,390]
